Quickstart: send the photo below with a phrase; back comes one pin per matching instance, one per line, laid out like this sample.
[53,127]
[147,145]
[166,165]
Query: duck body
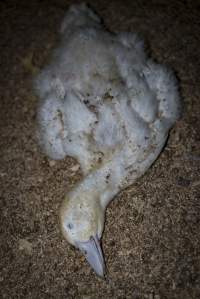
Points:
[106,104]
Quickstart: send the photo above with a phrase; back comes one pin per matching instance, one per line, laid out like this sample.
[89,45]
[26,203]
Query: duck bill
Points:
[93,253]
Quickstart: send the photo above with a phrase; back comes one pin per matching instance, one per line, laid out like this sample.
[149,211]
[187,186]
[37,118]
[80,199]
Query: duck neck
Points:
[101,184]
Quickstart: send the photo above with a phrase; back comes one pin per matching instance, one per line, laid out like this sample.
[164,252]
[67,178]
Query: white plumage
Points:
[109,106]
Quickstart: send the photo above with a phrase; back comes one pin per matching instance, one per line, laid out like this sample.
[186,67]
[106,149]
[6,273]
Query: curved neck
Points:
[101,183]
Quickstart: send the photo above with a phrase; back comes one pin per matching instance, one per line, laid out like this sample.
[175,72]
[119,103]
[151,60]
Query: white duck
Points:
[109,106]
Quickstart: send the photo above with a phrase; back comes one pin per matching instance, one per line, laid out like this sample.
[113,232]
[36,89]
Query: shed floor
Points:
[152,235]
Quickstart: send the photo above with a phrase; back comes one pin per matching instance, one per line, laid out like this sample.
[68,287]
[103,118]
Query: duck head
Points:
[82,223]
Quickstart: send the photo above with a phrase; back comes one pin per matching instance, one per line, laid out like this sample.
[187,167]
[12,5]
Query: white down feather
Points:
[100,93]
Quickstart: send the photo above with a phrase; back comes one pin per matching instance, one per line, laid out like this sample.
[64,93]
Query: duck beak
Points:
[93,253]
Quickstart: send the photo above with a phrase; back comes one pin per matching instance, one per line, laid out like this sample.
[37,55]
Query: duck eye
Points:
[70,225]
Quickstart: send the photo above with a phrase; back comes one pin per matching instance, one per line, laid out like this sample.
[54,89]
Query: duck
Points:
[104,102]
